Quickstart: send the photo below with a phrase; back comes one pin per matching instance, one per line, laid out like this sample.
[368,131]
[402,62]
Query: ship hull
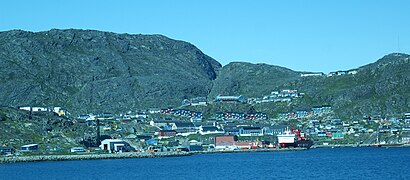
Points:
[304,143]
[287,145]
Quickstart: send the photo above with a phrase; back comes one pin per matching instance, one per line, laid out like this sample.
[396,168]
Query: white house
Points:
[240,98]
[58,110]
[113,145]
[405,139]
[311,74]
[210,130]
[34,109]
[250,131]
[199,101]
[161,123]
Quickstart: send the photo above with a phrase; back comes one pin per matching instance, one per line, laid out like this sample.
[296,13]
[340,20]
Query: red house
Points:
[167,133]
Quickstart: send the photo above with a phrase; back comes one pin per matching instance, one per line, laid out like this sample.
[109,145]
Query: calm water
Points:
[337,163]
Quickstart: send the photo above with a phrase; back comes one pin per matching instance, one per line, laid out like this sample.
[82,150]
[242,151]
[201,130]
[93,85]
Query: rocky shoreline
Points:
[36,158]
[68,157]
[15,159]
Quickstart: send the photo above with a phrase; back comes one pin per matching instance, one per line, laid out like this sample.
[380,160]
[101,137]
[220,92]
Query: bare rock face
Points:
[93,71]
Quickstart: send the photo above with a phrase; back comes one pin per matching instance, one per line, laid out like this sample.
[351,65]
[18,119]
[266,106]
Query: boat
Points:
[302,141]
[287,139]
[293,138]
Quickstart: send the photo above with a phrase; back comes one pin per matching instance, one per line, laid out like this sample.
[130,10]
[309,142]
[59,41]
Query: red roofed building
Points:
[222,142]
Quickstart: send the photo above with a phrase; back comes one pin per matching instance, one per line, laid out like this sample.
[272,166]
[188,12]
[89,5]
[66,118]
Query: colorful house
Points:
[166,133]
[338,136]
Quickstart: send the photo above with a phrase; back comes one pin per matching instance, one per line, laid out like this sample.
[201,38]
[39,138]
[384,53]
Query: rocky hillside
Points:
[93,71]
[19,127]
[252,80]
[380,88]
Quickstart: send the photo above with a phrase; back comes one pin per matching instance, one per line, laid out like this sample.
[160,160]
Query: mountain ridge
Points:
[82,60]
[89,71]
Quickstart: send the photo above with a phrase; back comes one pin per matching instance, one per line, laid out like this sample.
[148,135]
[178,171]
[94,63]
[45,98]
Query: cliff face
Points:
[93,71]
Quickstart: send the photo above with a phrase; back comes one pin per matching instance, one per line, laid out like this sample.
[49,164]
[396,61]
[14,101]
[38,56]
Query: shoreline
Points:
[126,155]
[249,150]
[362,145]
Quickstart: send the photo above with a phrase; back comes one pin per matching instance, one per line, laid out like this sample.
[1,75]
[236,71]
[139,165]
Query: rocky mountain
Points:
[93,71]
[252,80]
[380,88]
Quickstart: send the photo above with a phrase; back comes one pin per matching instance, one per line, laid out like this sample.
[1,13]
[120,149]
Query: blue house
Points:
[6,150]
[151,142]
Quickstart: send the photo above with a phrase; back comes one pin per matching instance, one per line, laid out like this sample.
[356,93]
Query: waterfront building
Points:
[114,145]
[29,147]
[222,142]
[405,139]
[6,150]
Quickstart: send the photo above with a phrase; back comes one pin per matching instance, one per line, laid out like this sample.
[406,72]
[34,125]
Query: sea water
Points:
[321,163]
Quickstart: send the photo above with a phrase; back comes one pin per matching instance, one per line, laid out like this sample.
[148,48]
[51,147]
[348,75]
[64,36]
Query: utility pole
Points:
[98,132]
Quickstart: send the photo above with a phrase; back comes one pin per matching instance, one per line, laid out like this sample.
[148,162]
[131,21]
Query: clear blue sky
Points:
[314,35]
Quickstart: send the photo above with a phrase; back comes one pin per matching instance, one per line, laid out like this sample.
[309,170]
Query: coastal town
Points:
[185,130]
